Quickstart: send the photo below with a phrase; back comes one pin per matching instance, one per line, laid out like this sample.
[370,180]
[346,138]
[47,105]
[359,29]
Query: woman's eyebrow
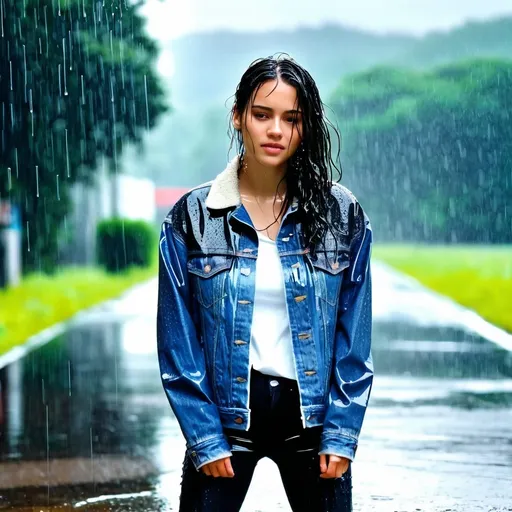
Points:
[271,110]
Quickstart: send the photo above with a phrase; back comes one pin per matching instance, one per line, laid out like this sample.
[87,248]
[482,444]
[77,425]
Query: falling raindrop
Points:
[46,28]
[2,16]
[121,52]
[9,183]
[95,21]
[16,160]
[60,82]
[47,450]
[147,105]
[37,181]
[69,376]
[64,66]
[28,238]
[31,109]
[70,51]
[25,68]
[10,69]
[114,135]
[115,369]
[67,153]
[83,90]
[58,191]
[92,454]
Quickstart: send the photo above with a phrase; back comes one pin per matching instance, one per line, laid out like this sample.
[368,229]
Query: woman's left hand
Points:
[332,466]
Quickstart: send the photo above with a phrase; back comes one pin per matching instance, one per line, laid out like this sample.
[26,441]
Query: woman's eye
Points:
[292,119]
[260,115]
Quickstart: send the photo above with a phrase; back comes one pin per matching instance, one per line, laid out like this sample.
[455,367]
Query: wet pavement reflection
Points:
[84,422]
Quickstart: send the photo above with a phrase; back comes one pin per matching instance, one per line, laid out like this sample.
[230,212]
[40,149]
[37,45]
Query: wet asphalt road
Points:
[84,423]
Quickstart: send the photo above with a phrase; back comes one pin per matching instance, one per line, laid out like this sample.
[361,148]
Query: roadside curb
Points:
[468,319]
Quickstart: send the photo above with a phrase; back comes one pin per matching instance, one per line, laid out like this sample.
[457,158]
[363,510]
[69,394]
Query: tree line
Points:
[430,153]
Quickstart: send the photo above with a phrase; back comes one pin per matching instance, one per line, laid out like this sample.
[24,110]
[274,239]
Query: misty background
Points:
[420,92]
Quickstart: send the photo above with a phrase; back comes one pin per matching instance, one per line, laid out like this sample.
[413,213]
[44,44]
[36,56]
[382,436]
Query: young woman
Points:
[264,306]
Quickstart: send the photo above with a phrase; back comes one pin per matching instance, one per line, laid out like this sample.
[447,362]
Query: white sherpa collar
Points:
[224,191]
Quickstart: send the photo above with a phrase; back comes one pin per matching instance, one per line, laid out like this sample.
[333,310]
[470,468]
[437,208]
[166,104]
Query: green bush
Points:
[124,243]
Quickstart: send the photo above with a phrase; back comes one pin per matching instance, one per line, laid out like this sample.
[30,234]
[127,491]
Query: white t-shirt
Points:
[271,350]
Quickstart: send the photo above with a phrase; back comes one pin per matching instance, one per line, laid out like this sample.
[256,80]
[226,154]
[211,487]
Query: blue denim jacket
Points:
[208,251]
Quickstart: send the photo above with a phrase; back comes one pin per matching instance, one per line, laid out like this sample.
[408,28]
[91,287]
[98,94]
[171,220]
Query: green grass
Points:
[478,277]
[41,301]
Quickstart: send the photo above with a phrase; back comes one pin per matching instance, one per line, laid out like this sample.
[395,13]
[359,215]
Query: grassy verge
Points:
[478,277]
[41,301]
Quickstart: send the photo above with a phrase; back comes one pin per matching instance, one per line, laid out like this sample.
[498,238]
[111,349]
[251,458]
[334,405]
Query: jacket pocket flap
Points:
[331,262]
[209,265]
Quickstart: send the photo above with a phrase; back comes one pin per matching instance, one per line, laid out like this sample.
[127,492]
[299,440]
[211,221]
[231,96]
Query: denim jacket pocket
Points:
[209,276]
[328,275]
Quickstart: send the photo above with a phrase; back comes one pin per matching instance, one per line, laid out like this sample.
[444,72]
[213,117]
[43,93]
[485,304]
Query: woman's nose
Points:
[275,129]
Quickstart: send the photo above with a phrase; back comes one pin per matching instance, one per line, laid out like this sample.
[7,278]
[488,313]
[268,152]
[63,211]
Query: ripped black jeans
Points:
[276,432]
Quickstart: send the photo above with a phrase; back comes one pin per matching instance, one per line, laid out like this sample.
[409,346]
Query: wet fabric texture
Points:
[206,296]
[276,432]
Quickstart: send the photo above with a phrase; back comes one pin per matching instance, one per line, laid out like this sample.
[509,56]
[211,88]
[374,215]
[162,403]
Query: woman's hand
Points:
[221,467]
[337,466]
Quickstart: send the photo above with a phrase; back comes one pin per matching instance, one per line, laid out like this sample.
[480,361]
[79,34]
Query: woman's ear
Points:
[237,121]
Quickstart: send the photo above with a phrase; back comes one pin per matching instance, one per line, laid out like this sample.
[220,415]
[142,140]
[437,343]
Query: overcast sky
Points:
[168,19]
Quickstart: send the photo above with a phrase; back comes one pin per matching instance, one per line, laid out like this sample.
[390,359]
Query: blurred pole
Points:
[10,244]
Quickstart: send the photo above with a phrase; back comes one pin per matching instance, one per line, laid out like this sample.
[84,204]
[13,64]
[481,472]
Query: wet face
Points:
[271,124]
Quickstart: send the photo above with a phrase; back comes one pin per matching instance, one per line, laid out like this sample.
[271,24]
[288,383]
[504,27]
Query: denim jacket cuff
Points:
[207,451]
[334,443]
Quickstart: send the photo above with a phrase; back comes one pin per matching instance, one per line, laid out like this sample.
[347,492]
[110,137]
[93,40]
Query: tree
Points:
[430,153]
[77,83]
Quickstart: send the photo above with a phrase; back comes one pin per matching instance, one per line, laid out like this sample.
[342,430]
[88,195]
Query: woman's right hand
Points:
[221,467]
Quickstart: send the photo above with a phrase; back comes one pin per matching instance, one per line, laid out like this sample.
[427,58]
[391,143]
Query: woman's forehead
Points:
[277,95]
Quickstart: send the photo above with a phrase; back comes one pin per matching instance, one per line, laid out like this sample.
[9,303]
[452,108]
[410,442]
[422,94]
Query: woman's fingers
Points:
[229,468]
[214,469]
[323,464]
[219,468]
[335,468]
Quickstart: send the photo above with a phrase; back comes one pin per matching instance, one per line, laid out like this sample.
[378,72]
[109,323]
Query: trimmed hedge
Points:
[123,243]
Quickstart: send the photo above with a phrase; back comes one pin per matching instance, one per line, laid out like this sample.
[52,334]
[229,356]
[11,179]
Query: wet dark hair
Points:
[310,170]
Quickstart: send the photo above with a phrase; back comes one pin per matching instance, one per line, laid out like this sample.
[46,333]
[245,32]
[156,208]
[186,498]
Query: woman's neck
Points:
[262,181]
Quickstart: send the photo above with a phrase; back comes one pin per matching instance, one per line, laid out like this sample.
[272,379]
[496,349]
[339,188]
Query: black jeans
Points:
[276,432]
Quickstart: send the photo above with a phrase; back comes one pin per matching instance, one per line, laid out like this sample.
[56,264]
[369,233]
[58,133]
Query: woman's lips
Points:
[272,150]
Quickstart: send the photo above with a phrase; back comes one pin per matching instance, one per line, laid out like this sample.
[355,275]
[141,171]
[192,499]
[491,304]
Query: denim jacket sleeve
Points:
[181,358]
[352,377]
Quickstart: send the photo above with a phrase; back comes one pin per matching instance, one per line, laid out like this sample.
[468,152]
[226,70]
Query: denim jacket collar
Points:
[225,192]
